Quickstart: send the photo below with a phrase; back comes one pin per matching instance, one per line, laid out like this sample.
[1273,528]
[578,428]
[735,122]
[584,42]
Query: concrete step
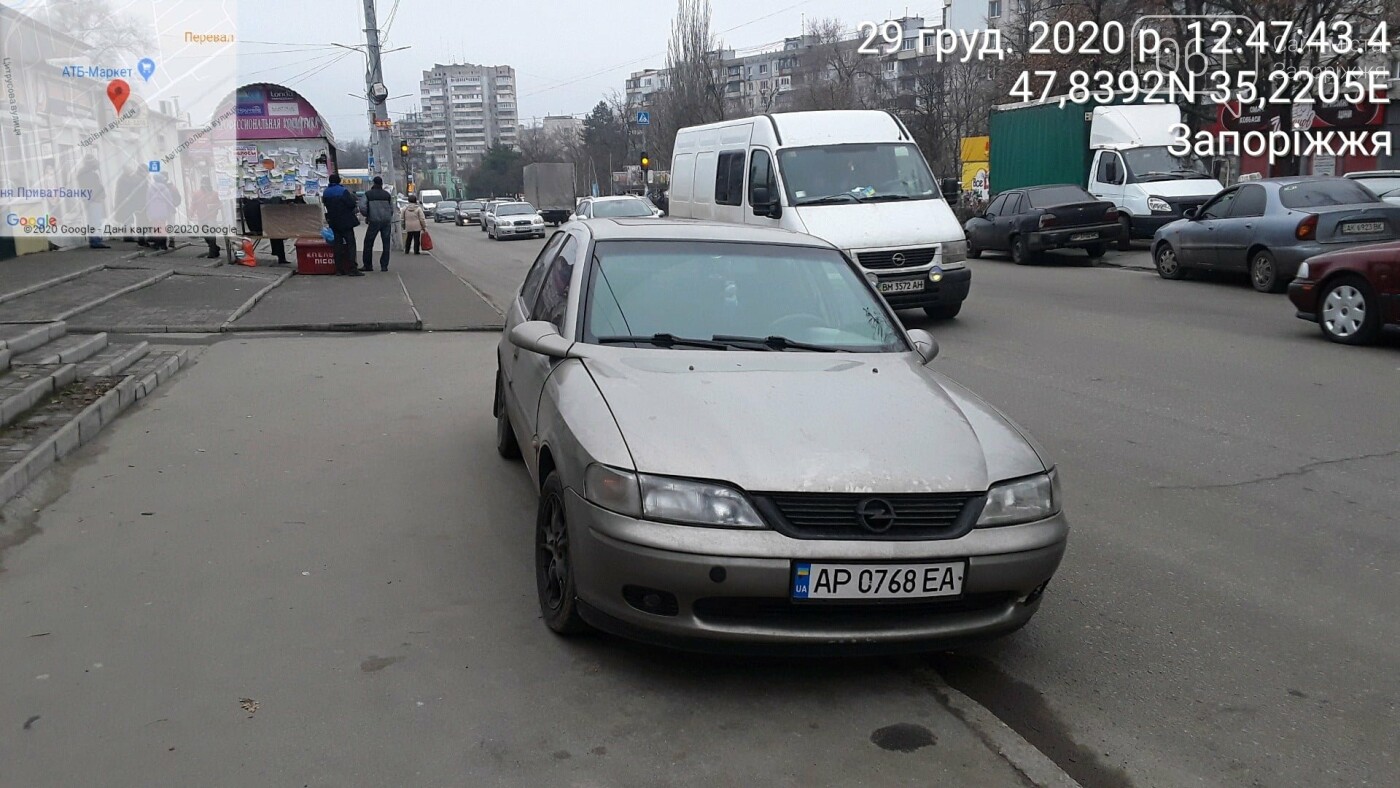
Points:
[23,387]
[75,414]
[71,349]
[23,337]
[113,361]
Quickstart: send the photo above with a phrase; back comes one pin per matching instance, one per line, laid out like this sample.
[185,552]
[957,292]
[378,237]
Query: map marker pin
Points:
[117,91]
[146,67]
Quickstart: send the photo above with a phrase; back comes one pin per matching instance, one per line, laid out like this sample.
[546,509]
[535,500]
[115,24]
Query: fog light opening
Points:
[718,574]
[1035,595]
[651,600]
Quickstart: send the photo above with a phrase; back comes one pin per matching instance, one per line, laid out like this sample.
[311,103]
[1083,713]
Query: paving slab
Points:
[63,300]
[373,302]
[443,299]
[180,302]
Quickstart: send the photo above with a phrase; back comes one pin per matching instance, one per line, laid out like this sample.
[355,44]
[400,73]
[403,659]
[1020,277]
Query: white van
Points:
[852,177]
[1133,169]
[429,198]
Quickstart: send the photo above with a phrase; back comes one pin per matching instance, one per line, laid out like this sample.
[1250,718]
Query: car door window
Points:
[530,291]
[553,302]
[1016,204]
[1219,208]
[1250,201]
[997,205]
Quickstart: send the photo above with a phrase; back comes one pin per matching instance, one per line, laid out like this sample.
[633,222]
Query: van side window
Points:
[729,178]
[761,174]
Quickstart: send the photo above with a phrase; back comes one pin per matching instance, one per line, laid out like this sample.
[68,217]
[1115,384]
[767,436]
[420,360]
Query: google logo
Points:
[32,224]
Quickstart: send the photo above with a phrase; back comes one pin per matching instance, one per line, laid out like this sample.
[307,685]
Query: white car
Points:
[1385,184]
[622,207]
[514,220]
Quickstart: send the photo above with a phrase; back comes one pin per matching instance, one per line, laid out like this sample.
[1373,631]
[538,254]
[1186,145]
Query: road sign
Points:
[643,118]
[383,123]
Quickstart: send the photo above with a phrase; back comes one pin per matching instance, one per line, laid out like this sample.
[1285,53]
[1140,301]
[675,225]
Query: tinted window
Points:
[1219,208]
[1250,201]
[531,289]
[447,204]
[554,293]
[1312,194]
[760,173]
[729,178]
[997,205]
[704,288]
[469,204]
[1381,185]
[1058,195]
[1109,171]
[515,209]
[621,208]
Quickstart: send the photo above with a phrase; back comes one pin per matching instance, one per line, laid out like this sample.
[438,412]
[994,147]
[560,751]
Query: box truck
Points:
[550,188]
[1118,152]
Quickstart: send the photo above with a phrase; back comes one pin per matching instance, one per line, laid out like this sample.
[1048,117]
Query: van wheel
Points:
[943,311]
[1125,241]
[1020,255]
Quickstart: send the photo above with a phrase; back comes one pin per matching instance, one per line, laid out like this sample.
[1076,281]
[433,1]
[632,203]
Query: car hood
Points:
[811,422]
[881,224]
[1196,187]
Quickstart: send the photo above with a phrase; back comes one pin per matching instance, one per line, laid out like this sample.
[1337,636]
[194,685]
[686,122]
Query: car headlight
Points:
[1303,270]
[1158,204]
[954,252]
[669,499]
[537,220]
[1021,501]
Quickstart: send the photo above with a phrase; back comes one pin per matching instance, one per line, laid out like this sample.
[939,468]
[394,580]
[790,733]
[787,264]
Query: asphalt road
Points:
[1223,616]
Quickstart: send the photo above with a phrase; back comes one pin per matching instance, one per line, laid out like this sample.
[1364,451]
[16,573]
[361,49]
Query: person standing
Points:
[161,201]
[90,178]
[341,207]
[415,221]
[379,216]
[208,210]
[131,200]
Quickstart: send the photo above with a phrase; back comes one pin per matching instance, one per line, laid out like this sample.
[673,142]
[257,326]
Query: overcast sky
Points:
[567,55]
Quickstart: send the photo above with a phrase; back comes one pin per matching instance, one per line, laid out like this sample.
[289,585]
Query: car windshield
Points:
[861,172]
[514,208]
[707,289]
[1058,195]
[445,204]
[1160,164]
[470,205]
[1381,185]
[621,208]
[1315,194]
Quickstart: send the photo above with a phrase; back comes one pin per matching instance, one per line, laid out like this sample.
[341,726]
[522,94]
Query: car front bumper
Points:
[732,587]
[951,289]
[1062,238]
[510,229]
[1303,294]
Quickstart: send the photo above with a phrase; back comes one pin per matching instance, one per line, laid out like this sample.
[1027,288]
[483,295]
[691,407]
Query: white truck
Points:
[429,198]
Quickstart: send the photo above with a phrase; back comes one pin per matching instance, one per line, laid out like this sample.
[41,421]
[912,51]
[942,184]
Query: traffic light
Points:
[645,161]
[410,187]
[403,147]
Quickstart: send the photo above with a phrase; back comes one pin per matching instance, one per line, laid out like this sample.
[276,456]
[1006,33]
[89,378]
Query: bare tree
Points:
[110,34]
[696,94]
[831,74]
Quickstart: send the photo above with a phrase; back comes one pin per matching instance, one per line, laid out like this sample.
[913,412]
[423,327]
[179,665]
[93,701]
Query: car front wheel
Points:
[1348,312]
[554,568]
[1264,273]
[1168,266]
[506,444]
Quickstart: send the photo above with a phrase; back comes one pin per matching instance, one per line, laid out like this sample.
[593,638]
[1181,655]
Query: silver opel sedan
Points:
[738,446]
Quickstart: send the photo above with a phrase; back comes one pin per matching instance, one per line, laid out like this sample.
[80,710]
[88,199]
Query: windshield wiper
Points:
[663,340]
[888,197]
[838,197]
[776,343]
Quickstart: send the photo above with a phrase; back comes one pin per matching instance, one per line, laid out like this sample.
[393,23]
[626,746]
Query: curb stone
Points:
[96,302]
[39,335]
[47,283]
[251,302]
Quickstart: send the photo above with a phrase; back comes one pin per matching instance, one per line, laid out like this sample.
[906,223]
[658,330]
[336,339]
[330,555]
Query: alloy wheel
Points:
[552,554]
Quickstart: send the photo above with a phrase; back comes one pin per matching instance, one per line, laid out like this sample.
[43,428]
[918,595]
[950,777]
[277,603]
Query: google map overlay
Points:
[116,117]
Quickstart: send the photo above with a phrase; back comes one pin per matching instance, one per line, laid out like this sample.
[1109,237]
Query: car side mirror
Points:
[1190,213]
[540,336]
[924,344]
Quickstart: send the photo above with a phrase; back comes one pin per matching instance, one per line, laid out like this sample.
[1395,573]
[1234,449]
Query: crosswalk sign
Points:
[643,118]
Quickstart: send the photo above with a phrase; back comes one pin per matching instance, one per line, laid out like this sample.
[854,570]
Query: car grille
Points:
[836,515]
[769,610]
[885,259]
[522,223]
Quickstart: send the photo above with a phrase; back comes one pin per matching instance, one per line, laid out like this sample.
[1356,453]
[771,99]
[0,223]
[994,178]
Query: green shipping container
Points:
[1039,144]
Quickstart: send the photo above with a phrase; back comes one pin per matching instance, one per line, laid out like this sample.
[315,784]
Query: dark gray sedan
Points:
[1268,228]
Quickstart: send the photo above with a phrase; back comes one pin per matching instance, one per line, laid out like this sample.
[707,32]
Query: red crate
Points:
[315,257]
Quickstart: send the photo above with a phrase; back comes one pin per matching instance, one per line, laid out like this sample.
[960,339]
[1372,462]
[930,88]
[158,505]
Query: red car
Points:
[1352,293]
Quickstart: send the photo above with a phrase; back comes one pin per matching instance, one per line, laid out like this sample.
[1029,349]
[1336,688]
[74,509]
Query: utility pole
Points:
[380,128]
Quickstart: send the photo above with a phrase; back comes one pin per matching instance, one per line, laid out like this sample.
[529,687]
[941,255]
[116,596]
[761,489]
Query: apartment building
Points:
[467,108]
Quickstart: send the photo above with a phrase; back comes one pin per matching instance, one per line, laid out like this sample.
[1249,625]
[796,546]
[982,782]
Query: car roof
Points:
[642,229]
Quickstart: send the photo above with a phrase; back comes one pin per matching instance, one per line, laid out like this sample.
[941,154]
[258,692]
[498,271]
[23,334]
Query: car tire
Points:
[506,444]
[1020,255]
[1125,241]
[972,251]
[554,569]
[1264,273]
[1095,251]
[943,311]
[1168,266]
[1343,297]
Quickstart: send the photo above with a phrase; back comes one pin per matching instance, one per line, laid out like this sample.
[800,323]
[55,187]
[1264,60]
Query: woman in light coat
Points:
[415,221]
[162,200]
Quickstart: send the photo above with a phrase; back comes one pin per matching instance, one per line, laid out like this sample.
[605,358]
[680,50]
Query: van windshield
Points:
[860,172]
[1159,164]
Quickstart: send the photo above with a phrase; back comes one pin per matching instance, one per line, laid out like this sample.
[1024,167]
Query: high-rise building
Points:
[466,109]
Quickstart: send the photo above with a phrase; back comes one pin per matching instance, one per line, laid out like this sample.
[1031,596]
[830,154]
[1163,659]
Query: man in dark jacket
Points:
[340,215]
[379,215]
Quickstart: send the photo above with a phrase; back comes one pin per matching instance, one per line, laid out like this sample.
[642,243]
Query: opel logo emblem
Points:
[897,259]
[876,515]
